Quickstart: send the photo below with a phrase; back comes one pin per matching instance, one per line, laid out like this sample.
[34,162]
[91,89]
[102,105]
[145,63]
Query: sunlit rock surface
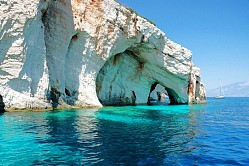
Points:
[64,53]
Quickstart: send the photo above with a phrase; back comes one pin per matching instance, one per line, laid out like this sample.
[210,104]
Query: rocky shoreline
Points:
[72,53]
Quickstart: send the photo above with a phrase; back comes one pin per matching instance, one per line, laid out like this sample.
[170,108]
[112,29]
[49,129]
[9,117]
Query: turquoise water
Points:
[213,134]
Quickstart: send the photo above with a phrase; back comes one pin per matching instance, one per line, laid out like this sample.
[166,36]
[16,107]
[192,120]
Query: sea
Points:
[216,133]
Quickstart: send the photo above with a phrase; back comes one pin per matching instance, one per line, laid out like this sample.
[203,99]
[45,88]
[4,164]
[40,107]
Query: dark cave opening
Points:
[2,105]
[67,92]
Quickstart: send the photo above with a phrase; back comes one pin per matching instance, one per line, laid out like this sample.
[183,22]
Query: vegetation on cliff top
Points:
[133,11]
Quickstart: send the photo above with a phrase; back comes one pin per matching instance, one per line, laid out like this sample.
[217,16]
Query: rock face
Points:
[88,53]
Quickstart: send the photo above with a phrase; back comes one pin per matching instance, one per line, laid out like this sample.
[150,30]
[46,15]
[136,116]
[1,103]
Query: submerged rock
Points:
[88,53]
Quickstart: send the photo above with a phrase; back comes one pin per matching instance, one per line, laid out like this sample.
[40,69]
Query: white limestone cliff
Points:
[76,53]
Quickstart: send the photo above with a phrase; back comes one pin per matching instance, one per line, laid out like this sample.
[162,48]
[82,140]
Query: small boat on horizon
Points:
[221,94]
[219,97]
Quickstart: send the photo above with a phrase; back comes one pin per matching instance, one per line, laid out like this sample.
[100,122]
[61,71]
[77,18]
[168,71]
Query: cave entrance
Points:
[158,95]
[129,79]
[121,82]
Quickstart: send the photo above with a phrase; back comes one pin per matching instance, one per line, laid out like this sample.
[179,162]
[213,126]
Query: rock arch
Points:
[127,78]
[77,53]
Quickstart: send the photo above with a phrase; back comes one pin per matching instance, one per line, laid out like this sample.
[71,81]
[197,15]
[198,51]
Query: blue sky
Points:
[216,31]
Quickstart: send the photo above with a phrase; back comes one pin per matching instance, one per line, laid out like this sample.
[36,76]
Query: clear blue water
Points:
[213,134]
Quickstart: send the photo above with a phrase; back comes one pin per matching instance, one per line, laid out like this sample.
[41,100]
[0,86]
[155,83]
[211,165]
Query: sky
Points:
[216,31]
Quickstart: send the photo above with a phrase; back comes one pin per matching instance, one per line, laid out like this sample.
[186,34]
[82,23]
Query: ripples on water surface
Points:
[213,134]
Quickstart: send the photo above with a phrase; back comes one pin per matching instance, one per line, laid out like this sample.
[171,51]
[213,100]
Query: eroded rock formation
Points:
[88,53]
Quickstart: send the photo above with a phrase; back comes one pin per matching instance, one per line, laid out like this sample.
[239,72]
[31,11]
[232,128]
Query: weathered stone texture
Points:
[87,53]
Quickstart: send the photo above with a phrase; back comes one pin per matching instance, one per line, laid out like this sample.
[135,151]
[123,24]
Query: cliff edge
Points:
[77,53]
